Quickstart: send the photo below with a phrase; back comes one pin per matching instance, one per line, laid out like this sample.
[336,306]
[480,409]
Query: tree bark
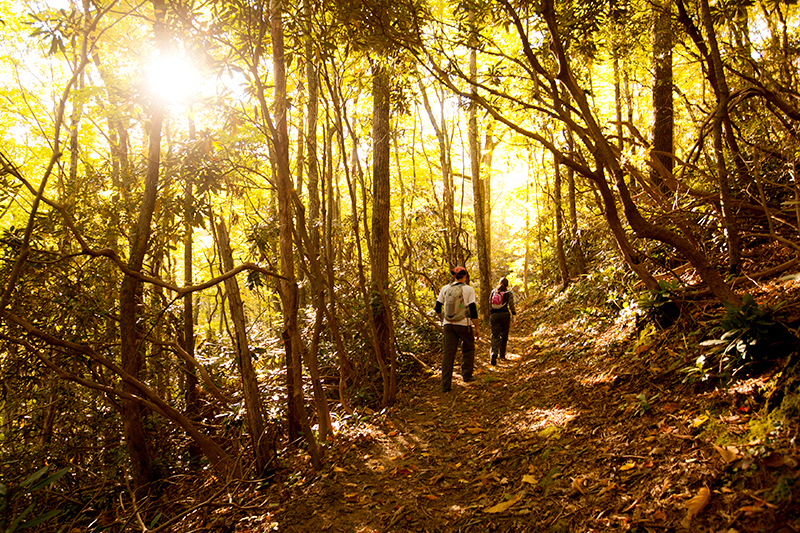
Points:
[288,292]
[381,198]
[191,390]
[263,449]
[663,115]
[604,154]
[452,246]
[562,257]
[131,351]
[478,200]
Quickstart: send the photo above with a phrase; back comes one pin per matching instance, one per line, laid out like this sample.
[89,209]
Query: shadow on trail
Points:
[562,436]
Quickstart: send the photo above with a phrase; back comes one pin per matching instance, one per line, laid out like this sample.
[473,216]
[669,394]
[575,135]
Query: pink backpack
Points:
[497,299]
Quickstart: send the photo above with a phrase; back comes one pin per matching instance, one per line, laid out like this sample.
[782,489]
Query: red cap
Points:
[457,271]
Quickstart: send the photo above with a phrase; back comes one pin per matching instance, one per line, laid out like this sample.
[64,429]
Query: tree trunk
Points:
[381,198]
[605,156]
[478,199]
[709,49]
[663,115]
[263,451]
[191,391]
[452,246]
[722,119]
[131,352]
[486,177]
[562,257]
[346,371]
[280,141]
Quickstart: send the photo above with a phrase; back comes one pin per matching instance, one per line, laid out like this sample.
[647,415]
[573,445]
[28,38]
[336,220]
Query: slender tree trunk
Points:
[479,201]
[486,178]
[448,212]
[527,235]
[562,257]
[709,49]
[605,157]
[381,198]
[263,451]
[191,390]
[722,119]
[663,115]
[131,351]
[318,288]
[280,140]
[312,80]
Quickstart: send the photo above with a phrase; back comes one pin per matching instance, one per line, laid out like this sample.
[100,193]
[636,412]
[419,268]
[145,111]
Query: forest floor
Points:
[587,426]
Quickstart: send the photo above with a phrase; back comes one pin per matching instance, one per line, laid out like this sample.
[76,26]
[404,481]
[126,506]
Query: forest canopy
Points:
[221,217]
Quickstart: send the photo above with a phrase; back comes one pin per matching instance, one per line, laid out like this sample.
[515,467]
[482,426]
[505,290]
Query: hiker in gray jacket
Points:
[456,307]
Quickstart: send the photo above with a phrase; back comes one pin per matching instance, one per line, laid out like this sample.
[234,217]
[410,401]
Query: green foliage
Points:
[746,330]
[659,305]
[13,497]
[611,288]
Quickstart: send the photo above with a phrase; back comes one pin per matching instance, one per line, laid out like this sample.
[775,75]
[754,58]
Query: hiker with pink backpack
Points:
[501,314]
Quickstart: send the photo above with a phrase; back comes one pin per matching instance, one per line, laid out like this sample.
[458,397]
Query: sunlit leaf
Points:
[729,453]
[696,504]
[504,506]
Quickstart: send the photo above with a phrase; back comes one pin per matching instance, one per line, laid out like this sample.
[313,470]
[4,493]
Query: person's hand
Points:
[477,333]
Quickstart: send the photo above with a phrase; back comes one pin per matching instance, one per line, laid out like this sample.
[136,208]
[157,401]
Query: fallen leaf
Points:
[527,478]
[696,504]
[641,349]
[659,515]
[627,466]
[775,460]
[504,506]
[339,469]
[699,421]
[577,485]
[436,479]
[609,487]
[729,453]
[550,431]
[750,509]
[476,430]
[430,497]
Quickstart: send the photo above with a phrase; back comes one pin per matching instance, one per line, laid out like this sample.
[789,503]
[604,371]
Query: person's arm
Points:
[473,314]
[511,304]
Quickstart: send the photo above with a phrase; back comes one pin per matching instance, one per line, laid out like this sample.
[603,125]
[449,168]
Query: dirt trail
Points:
[560,437]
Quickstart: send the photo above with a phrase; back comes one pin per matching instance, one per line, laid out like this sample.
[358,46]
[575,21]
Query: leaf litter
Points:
[598,439]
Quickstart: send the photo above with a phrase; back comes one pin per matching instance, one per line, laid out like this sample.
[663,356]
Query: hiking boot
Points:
[467,379]
[494,361]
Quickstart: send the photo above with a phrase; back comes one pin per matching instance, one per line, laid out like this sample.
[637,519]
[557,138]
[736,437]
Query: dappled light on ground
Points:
[573,432]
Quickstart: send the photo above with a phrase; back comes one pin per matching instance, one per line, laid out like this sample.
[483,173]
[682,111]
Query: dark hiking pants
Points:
[501,322]
[453,336]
